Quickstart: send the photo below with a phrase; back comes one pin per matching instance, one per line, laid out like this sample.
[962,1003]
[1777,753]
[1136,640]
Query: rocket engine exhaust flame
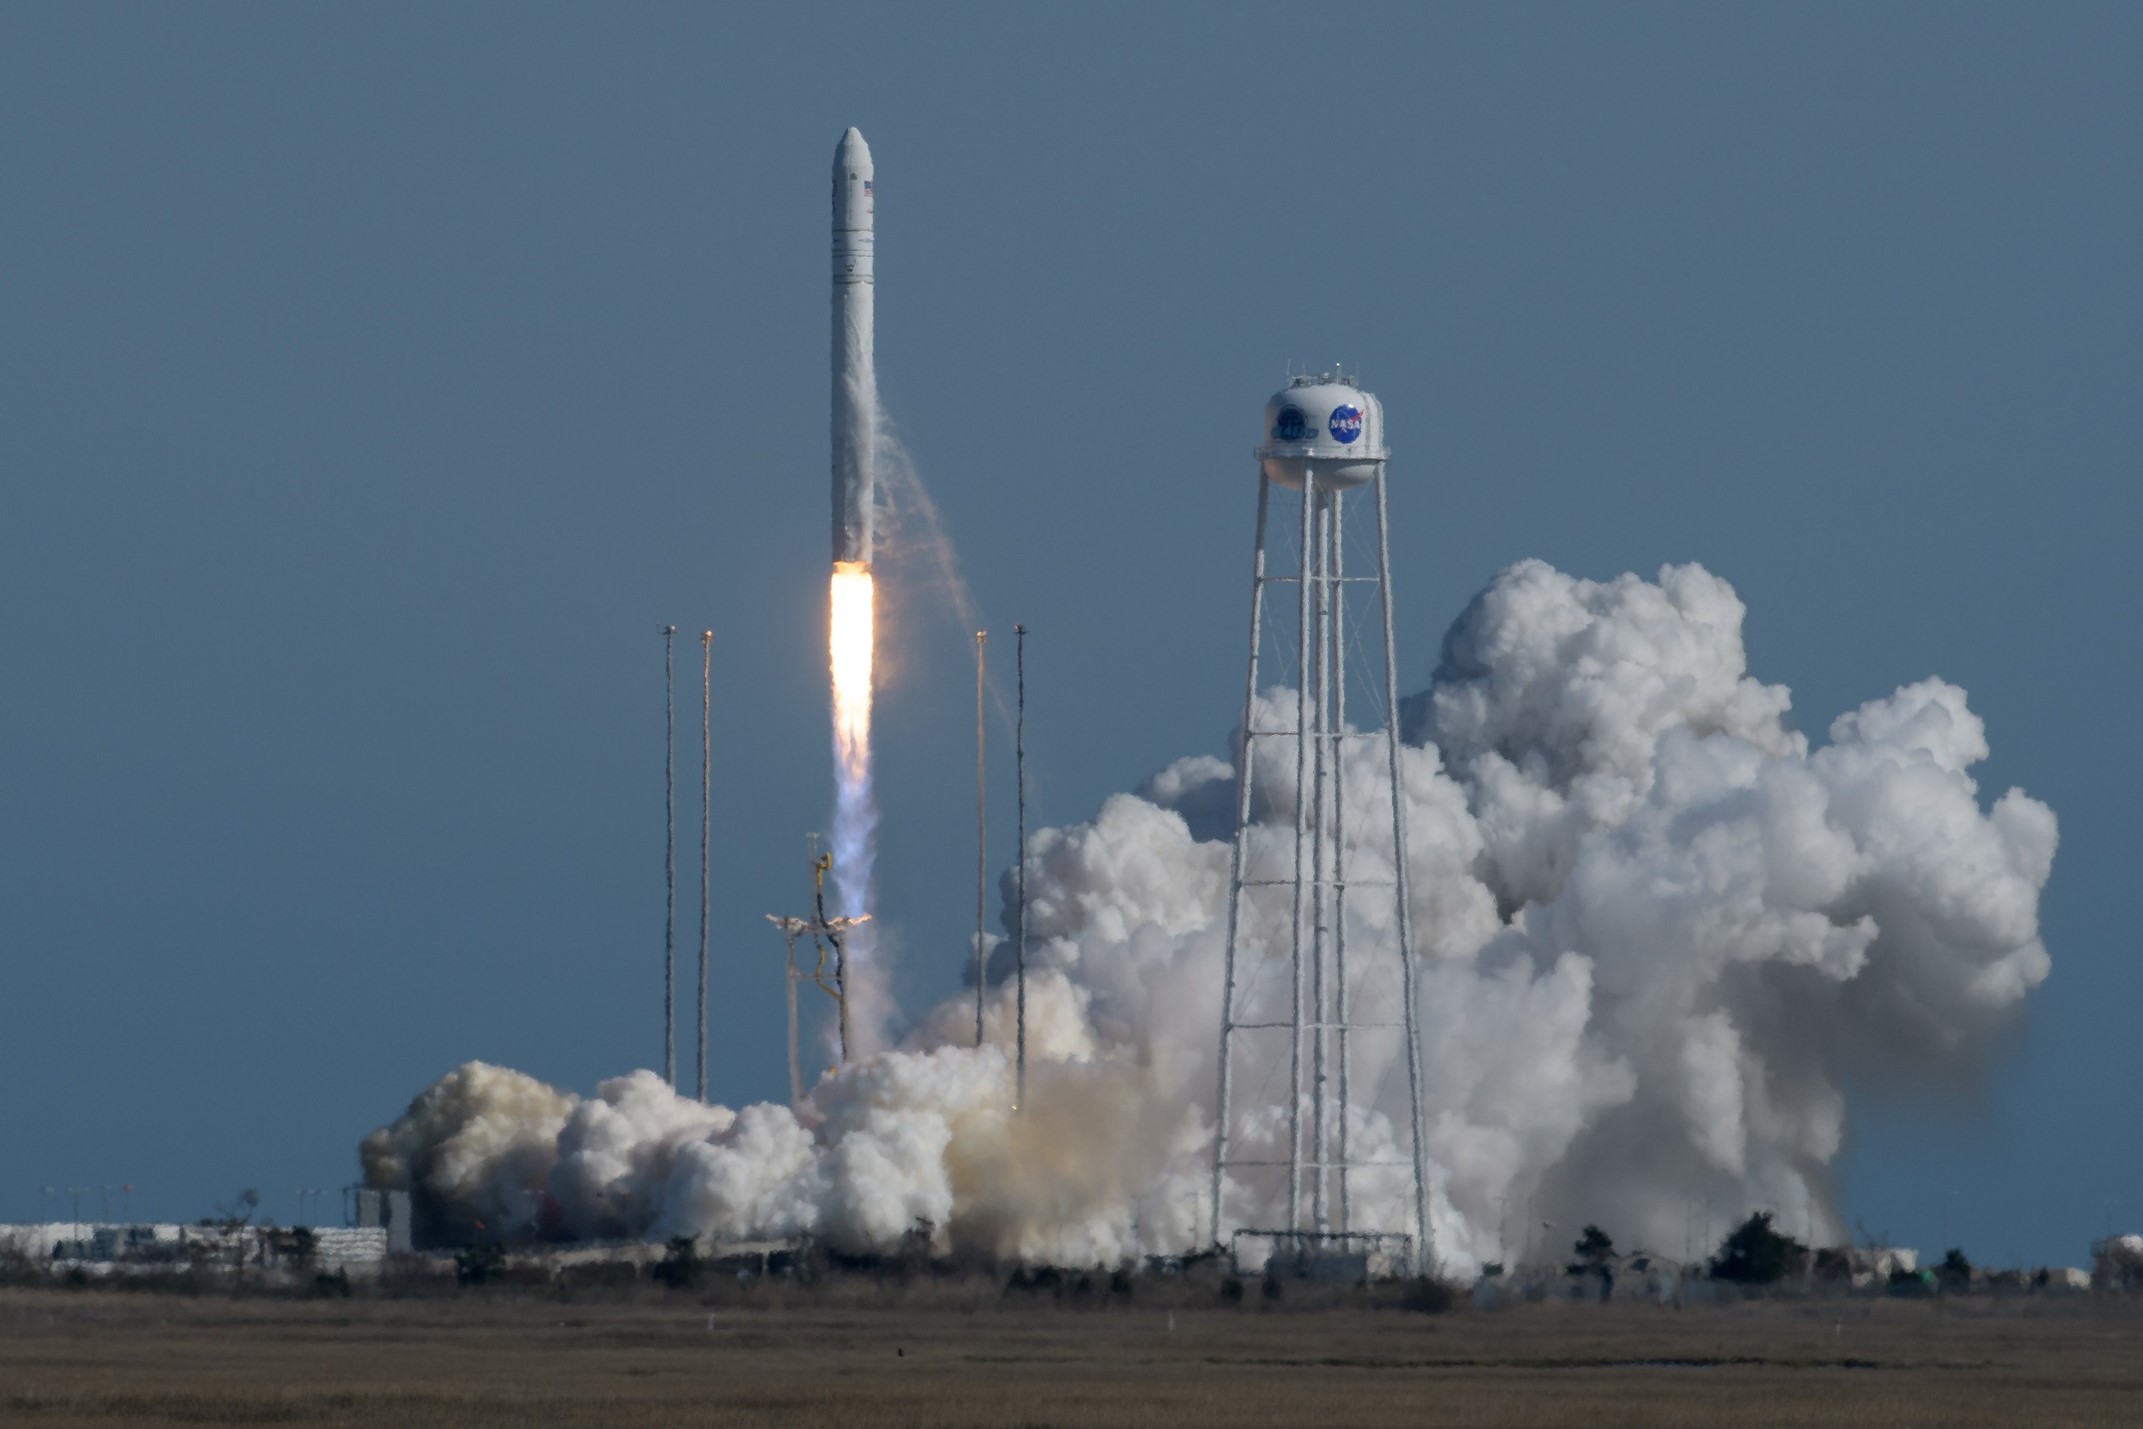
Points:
[850,636]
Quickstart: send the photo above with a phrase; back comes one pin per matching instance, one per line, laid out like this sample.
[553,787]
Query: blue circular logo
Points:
[1346,424]
[1290,425]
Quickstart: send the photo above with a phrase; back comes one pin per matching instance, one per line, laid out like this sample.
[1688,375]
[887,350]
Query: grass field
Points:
[79,1358]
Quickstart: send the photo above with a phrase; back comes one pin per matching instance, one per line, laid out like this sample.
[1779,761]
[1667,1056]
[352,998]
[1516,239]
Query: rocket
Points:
[855,379]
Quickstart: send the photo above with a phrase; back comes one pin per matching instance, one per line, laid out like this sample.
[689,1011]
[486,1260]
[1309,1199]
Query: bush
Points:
[1427,1297]
[1911,1283]
[1593,1249]
[680,1265]
[1756,1254]
[1834,1265]
[1037,1280]
[1954,1274]
[478,1264]
[16,1267]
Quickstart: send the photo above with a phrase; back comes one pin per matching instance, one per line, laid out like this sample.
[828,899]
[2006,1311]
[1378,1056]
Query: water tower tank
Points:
[1325,428]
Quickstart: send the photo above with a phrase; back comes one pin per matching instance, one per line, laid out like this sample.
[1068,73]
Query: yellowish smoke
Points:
[849,638]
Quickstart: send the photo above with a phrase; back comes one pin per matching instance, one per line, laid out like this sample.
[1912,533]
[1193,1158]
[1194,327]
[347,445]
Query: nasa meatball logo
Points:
[1346,424]
[1290,425]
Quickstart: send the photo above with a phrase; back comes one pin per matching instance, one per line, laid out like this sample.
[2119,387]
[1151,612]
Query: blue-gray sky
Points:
[375,380]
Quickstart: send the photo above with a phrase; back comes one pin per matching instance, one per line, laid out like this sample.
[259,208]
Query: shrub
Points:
[1834,1265]
[1427,1297]
[1046,1278]
[477,1264]
[16,1267]
[1756,1254]
[1911,1283]
[1593,1249]
[680,1265]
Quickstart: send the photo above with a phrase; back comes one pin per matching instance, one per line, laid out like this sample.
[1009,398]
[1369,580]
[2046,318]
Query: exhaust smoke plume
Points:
[1660,939]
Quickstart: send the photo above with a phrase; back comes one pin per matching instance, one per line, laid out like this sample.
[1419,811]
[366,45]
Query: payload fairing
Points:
[855,379]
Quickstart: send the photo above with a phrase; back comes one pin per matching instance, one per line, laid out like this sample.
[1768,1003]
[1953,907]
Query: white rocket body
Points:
[855,378]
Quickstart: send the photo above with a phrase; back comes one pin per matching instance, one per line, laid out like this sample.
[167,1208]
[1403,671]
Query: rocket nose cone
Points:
[852,152]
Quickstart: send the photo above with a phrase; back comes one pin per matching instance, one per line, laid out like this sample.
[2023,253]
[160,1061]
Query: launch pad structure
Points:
[1323,438]
[822,931]
[825,932]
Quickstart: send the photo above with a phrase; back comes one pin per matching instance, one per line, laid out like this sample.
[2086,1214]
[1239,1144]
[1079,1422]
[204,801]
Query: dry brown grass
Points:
[103,1359]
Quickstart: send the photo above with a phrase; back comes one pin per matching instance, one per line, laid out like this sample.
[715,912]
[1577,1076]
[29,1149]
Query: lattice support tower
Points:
[1339,963]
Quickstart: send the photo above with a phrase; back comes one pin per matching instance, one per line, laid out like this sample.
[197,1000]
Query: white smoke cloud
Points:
[1658,940]
[473,1148]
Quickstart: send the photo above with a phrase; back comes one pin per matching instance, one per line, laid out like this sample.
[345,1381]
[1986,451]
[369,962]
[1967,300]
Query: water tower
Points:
[1318,1029]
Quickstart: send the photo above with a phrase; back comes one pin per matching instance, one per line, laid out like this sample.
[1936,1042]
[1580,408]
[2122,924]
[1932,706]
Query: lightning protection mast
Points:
[1318,1012]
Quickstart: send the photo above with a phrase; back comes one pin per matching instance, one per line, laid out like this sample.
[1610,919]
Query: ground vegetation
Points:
[948,1354]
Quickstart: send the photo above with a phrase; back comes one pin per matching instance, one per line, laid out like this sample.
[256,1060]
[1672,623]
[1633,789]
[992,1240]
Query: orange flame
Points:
[849,640]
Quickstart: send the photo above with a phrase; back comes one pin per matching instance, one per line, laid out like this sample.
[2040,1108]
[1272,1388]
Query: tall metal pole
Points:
[1423,1257]
[706,791]
[840,984]
[789,975]
[669,856]
[1019,758]
[1245,770]
[982,853]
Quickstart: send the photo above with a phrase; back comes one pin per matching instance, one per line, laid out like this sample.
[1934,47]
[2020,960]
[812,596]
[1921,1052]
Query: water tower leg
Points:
[1302,830]
[1424,1257]
[1317,674]
[1335,563]
[1245,773]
